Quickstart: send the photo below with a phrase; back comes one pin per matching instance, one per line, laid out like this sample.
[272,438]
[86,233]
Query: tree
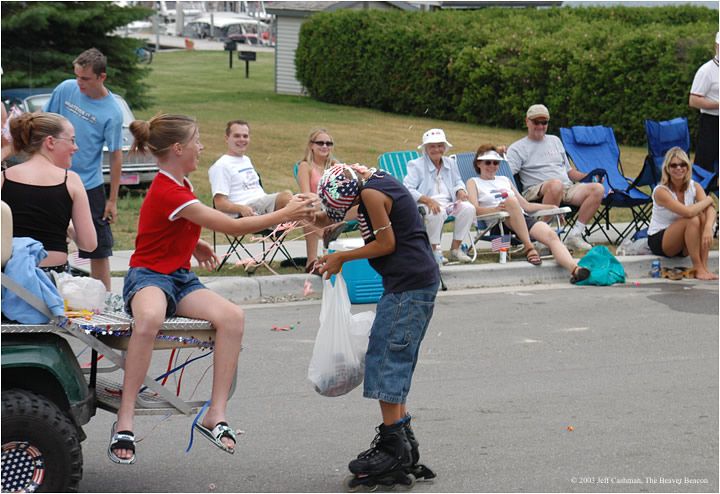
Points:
[41,39]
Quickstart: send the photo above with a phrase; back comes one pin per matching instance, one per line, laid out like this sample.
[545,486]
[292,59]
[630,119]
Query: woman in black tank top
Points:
[42,193]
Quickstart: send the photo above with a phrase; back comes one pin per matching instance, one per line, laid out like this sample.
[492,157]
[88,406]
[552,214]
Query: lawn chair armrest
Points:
[500,215]
[551,212]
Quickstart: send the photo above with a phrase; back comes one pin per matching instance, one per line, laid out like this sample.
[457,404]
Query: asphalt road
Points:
[549,388]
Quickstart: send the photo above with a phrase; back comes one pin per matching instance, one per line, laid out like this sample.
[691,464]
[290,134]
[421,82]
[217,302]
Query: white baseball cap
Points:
[434,135]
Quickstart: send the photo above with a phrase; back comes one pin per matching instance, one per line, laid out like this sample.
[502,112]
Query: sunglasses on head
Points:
[324,143]
[539,122]
[676,165]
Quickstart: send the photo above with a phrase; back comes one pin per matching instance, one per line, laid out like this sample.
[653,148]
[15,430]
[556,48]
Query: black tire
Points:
[34,429]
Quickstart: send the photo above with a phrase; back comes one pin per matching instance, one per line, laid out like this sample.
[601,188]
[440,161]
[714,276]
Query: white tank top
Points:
[662,217]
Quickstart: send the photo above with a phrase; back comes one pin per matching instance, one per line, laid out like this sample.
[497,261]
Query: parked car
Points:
[137,171]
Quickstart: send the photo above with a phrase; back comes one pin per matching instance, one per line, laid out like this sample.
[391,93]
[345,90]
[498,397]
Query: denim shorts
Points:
[401,320]
[105,240]
[176,285]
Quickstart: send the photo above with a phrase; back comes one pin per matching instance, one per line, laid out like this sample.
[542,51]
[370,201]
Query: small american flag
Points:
[76,260]
[500,242]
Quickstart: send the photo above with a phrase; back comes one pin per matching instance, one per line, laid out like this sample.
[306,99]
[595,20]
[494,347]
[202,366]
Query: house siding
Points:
[288,35]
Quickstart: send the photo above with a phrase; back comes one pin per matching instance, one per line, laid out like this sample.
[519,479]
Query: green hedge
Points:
[591,66]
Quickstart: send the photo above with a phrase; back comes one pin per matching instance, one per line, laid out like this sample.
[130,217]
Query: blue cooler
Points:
[363,282]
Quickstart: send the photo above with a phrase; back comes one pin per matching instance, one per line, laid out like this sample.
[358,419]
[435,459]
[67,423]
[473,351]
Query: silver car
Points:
[136,170]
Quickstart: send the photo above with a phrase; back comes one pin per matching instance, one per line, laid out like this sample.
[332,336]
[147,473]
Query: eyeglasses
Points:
[491,163]
[540,122]
[323,143]
[71,139]
[676,165]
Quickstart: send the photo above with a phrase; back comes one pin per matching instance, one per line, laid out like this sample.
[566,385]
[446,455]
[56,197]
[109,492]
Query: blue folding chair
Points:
[661,136]
[594,151]
[486,222]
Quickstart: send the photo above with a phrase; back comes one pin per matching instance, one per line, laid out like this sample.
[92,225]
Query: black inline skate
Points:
[385,464]
[418,470]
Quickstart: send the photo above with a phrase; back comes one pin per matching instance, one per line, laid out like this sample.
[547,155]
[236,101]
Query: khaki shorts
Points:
[533,193]
[264,205]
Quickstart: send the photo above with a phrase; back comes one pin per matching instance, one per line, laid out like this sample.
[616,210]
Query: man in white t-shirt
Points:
[546,174]
[704,96]
[236,187]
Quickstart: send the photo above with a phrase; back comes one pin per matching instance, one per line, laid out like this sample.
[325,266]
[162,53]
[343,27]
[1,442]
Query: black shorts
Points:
[655,244]
[529,221]
[105,239]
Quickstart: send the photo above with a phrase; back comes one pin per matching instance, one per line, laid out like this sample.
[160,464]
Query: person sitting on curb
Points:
[546,174]
[235,184]
[434,182]
[490,193]
[681,227]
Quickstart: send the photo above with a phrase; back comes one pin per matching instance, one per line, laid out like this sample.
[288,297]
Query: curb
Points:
[456,277]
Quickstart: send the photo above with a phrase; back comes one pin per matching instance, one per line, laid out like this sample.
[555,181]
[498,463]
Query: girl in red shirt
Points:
[160,284]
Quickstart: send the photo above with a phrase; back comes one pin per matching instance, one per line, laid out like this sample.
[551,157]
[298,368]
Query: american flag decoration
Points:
[23,467]
[337,192]
[500,242]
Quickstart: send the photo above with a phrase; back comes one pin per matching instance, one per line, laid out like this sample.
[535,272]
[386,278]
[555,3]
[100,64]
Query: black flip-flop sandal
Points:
[579,274]
[121,440]
[222,429]
[537,255]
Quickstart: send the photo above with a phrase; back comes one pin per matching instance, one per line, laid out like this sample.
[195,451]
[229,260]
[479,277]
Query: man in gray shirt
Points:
[546,174]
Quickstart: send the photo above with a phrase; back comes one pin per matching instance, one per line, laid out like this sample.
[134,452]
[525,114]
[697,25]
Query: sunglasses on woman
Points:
[676,165]
[323,143]
[491,163]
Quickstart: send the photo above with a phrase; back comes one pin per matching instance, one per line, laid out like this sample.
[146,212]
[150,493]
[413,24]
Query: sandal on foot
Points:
[311,268]
[532,256]
[579,274]
[121,440]
[222,429]
[332,233]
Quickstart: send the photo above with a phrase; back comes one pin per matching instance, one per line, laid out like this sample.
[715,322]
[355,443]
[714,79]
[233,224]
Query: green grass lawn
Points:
[199,83]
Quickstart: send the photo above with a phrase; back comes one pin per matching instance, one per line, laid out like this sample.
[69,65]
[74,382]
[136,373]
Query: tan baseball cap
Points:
[538,111]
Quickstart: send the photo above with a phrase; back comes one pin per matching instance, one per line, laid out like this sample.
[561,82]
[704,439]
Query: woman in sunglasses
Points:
[682,215]
[490,193]
[318,158]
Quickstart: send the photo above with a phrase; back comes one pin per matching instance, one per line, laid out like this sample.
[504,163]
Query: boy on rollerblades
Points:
[397,247]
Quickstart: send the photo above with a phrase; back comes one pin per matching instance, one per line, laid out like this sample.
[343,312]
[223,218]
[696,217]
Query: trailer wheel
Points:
[41,449]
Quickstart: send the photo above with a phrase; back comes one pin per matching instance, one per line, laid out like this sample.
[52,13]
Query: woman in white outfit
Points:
[681,227]
[490,194]
[435,183]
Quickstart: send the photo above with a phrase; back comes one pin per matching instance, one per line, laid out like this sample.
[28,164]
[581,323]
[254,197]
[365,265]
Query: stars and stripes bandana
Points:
[337,191]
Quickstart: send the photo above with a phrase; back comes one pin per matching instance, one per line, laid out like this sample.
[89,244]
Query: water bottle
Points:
[439,256]
[503,255]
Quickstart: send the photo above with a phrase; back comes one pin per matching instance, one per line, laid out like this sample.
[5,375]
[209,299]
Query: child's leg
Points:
[148,306]
[229,321]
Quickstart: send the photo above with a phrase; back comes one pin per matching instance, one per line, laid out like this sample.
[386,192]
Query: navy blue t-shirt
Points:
[412,265]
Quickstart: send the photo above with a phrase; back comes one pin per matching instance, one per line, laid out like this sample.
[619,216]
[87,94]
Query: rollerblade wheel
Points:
[411,481]
[352,483]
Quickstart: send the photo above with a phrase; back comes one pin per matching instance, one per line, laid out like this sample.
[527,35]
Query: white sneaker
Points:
[459,255]
[576,242]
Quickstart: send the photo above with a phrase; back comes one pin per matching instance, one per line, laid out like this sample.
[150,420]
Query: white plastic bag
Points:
[338,361]
[632,246]
[82,292]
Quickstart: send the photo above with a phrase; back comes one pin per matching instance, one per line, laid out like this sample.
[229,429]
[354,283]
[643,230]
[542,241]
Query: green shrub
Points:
[589,66]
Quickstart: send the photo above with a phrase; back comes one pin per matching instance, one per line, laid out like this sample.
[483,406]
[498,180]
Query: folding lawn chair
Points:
[486,222]
[395,163]
[594,151]
[661,136]
[267,255]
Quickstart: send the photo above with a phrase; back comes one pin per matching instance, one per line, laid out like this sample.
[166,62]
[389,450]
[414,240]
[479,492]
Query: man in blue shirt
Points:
[97,118]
